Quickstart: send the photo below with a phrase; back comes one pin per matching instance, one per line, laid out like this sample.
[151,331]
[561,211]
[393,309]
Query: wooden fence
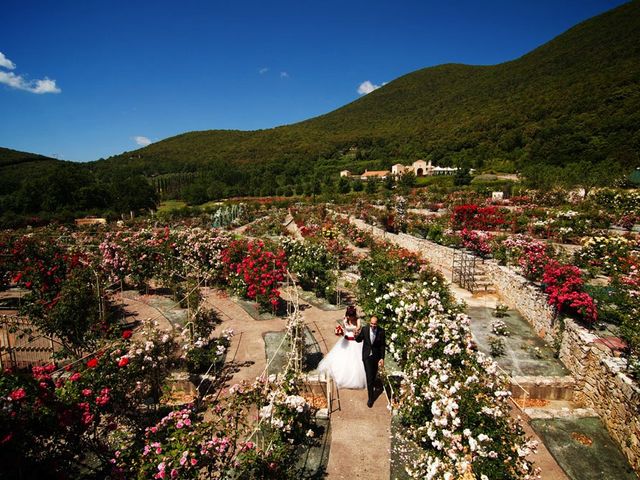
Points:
[22,345]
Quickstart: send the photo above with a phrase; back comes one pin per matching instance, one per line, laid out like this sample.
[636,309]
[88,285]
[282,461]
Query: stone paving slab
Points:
[525,353]
[584,449]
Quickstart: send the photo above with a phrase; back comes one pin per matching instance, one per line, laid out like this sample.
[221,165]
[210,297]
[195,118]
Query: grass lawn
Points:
[169,205]
[441,180]
[211,204]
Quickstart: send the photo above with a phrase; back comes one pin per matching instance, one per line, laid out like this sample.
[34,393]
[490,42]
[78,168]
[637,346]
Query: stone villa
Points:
[420,168]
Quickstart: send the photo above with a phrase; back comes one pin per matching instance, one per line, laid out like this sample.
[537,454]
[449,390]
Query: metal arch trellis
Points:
[225,216]
[463,270]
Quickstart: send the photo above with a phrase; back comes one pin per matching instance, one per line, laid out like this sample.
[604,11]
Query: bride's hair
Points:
[351,313]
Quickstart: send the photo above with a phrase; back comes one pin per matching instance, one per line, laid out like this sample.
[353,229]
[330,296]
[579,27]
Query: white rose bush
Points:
[453,405]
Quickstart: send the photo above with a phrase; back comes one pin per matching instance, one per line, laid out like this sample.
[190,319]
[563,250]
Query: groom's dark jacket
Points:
[377,348]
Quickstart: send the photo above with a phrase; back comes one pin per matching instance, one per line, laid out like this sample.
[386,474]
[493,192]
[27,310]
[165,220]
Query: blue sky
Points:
[88,79]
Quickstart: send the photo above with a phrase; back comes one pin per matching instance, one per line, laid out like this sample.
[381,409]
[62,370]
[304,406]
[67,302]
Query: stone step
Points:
[484,287]
[557,409]
[545,388]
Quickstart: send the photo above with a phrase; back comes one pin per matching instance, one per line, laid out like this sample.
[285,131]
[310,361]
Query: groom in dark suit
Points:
[372,352]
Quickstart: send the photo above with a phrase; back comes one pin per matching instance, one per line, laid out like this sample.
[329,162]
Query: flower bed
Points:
[254,271]
[453,405]
[313,265]
[606,255]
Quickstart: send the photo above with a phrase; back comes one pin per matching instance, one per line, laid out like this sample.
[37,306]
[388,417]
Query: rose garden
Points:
[141,350]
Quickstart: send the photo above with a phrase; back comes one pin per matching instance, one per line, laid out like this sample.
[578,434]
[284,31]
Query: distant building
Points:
[398,169]
[90,221]
[420,168]
[379,174]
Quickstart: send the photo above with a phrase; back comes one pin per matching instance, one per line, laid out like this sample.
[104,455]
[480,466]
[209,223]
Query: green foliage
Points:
[497,347]
[462,177]
[208,358]
[383,268]
[63,190]
[73,316]
[406,182]
[314,266]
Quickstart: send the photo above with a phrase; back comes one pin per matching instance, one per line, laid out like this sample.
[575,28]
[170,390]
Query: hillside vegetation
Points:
[576,98]
[35,189]
[567,111]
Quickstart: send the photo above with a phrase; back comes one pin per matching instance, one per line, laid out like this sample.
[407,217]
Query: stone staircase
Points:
[542,397]
[483,283]
[543,388]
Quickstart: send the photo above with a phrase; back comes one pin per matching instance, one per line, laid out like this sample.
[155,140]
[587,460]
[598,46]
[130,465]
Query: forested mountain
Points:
[36,188]
[576,98]
[571,106]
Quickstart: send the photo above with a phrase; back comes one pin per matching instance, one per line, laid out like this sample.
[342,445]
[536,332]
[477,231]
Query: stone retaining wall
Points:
[522,295]
[439,256]
[602,385]
[600,382]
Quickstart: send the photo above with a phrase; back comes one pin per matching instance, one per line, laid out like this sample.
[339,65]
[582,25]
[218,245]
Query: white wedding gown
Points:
[344,362]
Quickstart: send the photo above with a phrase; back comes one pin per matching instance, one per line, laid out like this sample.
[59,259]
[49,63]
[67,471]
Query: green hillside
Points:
[35,188]
[15,157]
[571,106]
[574,99]
[15,166]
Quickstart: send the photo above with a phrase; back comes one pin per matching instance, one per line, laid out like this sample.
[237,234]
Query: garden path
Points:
[359,436]
[247,349]
[137,306]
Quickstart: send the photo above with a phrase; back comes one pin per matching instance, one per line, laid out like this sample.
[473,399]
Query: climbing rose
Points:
[124,361]
[18,394]
[93,363]
[127,334]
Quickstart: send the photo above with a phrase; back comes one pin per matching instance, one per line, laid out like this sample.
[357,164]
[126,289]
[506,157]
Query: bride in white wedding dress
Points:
[344,361]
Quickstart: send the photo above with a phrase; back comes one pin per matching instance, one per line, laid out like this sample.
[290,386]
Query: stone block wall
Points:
[439,256]
[602,385]
[522,295]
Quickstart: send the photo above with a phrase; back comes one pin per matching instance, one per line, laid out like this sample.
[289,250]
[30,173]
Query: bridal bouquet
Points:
[338,331]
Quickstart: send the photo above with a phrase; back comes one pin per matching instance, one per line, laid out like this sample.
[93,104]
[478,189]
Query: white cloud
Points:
[142,141]
[368,87]
[44,85]
[6,63]
[263,70]
[284,75]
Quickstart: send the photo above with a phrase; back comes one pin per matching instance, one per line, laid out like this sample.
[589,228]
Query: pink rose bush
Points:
[565,289]
[477,241]
[529,254]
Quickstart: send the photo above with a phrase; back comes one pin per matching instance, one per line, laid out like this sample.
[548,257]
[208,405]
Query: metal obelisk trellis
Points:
[463,270]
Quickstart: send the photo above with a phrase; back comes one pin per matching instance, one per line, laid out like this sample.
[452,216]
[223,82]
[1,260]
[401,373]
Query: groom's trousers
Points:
[371,372]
